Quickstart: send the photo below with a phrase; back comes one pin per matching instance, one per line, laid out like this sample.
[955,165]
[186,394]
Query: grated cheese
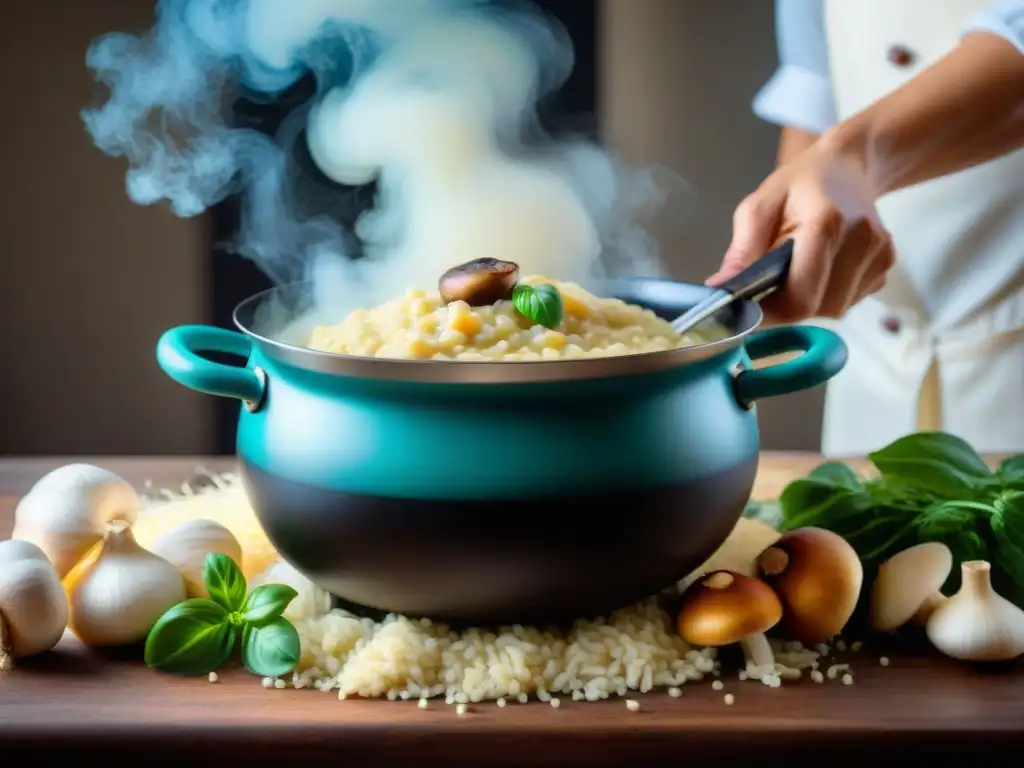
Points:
[227,504]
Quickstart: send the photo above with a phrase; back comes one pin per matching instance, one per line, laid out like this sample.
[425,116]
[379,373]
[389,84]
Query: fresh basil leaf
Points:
[270,650]
[1011,472]
[267,602]
[1008,533]
[1008,517]
[191,638]
[540,303]
[837,473]
[224,581]
[811,502]
[936,462]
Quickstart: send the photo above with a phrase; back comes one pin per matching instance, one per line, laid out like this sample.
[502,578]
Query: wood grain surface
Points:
[74,702]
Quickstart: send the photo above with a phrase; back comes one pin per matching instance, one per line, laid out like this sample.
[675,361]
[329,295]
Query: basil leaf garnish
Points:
[191,638]
[267,602]
[270,650]
[224,581]
[540,303]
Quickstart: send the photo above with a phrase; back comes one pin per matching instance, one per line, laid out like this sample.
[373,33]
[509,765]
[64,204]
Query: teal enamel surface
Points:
[443,441]
[177,353]
[824,355]
[498,441]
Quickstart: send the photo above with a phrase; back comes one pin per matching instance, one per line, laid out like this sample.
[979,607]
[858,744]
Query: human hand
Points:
[823,201]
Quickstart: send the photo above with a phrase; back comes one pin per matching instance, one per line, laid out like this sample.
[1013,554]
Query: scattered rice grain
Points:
[555,703]
[833,672]
[461,709]
[884,661]
[856,646]
[729,699]
[632,705]
[816,676]
[847,679]
[213,678]
[636,649]
[717,685]
[674,692]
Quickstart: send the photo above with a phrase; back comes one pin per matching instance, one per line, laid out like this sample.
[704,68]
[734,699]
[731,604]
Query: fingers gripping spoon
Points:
[760,279]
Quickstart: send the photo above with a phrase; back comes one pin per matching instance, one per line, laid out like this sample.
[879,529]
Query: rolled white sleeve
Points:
[799,94]
[1004,18]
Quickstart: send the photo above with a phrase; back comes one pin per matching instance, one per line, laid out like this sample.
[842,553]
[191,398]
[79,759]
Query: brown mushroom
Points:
[727,607]
[818,577]
[479,282]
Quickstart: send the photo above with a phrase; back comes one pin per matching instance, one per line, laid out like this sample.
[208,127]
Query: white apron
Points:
[942,346]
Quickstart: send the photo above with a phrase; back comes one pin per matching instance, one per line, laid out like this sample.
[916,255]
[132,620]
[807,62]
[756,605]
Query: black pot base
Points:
[529,561]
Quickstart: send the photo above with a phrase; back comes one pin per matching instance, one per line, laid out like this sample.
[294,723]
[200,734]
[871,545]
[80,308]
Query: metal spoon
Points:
[763,277]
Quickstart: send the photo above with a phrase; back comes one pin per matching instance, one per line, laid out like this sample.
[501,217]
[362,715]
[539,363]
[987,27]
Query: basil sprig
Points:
[540,303]
[197,636]
[930,486]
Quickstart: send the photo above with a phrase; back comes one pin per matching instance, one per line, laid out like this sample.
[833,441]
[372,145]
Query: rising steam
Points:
[432,99]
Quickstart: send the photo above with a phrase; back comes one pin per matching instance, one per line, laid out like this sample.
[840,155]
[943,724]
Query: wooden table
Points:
[74,702]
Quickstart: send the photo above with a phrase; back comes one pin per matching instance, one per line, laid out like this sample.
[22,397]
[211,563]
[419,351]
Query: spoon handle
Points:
[764,276]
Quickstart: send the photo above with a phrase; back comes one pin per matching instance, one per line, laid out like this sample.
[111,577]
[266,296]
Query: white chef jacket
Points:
[942,346]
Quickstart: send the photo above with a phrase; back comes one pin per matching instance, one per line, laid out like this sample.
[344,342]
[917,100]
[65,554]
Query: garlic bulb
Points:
[33,608]
[977,624]
[66,512]
[119,590]
[187,546]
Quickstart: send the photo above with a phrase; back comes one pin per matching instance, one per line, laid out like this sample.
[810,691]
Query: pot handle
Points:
[178,350]
[824,355]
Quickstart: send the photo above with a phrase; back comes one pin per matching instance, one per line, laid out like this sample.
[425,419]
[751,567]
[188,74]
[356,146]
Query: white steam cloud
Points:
[432,99]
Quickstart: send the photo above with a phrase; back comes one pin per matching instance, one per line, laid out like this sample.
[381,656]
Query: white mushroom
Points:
[907,586]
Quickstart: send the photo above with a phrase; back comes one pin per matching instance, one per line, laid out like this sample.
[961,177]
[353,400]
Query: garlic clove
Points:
[65,512]
[977,624]
[33,607]
[119,590]
[310,600]
[187,546]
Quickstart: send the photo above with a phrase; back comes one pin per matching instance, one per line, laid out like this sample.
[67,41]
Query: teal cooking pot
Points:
[500,492]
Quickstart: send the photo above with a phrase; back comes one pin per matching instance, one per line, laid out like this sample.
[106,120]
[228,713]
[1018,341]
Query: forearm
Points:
[965,110]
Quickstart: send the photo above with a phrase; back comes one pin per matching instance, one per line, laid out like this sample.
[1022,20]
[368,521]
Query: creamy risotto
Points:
[421,326]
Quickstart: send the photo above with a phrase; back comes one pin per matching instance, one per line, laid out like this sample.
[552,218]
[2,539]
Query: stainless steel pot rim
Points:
[747,318]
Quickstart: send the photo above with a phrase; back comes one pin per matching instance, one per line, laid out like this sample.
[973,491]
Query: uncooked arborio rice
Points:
[636,649]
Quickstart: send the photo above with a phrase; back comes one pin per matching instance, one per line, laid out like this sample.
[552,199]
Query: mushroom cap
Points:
[724,607]
[479,282]
[905,581]
[817,576]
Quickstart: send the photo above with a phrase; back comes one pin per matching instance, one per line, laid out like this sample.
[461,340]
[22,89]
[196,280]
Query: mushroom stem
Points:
[758,650]
[773,561]
[6,657]
[933,601]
